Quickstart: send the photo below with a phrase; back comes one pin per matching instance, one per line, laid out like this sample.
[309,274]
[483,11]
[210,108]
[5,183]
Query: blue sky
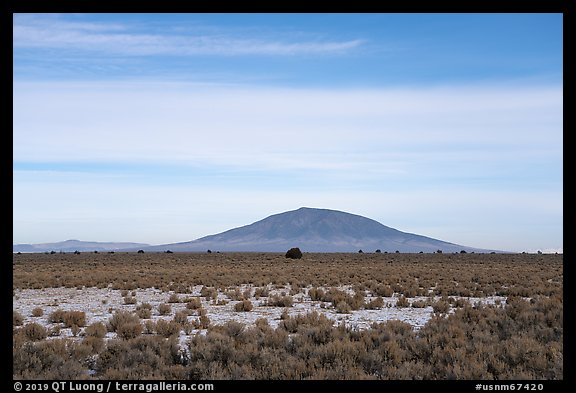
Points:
[166,128]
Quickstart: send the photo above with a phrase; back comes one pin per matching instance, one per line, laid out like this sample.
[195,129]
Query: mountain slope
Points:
[315,230]
[76,245]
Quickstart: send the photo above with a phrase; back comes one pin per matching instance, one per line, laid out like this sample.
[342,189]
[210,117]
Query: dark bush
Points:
[35,332]
[280,301]
[129,330]
[374,304]
[167,328]
[164,309]
[194,303]
[37,312]
[261,292]
[181,317]
[294,253]
[97,329]
[209,292]
[68,318]
[77,318]
[343,308]
[402,302]
[441,306]
[244,305]
[316,294]
[143,313]
[120,318]
[173,298]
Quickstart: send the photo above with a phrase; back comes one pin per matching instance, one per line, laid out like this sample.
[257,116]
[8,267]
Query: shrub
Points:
[181,317]
[261,292]
[95,344]
[173,298]
[17,318]
[56,316]
[130,300]
[121,318]
[129,330]
[233,328]
[383,290]
[343,308]
[194,303]
[374,304]
[37,312]
[35,332]
[294,253]
[97,329]
[77,318]
[262,323]
[402,302]
[164,309]
[235,294]
[167,329]
[289,324]
[357,301]
[204,322]
[419,304]
[316,294]
[75,329]
[149,326]
[209,293]
[460,302]
[244,305]
[441,306]
[68,318]
[280,301]
[55,331]
[143,313]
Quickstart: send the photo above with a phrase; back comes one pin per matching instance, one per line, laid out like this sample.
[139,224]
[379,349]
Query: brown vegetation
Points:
[521,338]
[382,274]
[68,318]
[164,309]
[244,305]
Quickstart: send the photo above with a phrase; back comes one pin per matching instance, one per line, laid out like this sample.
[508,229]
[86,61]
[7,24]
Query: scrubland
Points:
[262,316]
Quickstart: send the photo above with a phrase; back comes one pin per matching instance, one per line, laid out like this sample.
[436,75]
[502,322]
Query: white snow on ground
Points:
[100,304]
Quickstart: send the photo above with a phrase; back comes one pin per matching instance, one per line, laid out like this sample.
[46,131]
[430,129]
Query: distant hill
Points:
[315,230]
[76,245]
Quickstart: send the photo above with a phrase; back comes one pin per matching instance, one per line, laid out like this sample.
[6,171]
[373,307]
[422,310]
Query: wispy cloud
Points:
[31,31]
[387,131]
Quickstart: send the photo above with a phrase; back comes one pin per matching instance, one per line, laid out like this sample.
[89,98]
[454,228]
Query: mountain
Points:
[75,245]
[315,230]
